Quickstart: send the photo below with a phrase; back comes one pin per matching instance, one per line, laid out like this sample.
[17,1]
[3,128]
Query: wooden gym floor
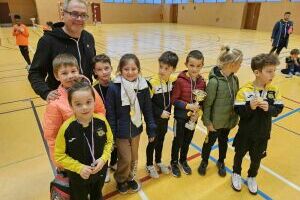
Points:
[25,171]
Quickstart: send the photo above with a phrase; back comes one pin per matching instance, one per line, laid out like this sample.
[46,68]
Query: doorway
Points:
[252,14]
[5,17]
[96,12]
[174,13]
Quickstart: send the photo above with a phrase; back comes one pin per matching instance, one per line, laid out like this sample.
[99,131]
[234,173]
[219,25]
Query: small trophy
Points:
[199,96]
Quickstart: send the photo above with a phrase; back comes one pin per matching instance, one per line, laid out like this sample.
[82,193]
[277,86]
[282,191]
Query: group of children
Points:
[85,125]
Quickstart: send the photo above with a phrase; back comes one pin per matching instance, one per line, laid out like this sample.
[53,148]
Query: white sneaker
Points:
[297,73]
[107,178]
[252,185]
[163,168]
[152,171]
[290,75]
[236,182]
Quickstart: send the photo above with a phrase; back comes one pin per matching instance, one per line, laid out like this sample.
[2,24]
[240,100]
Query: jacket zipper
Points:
[77,45]
[279,34]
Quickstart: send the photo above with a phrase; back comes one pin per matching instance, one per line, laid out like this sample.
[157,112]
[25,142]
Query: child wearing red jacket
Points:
[183,101]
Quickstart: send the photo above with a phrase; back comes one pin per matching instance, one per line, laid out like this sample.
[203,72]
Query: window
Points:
[257,0]
[176,1]
[149,1]
[209,1]
[117,1]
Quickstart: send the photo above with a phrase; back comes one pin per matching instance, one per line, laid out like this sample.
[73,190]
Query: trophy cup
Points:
[199,96]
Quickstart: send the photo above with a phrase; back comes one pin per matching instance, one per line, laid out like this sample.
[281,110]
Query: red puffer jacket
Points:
[181,94]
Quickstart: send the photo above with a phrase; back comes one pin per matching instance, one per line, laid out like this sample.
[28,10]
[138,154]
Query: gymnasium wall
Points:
[47,10]
[26,10]
[130,13]
[110,12]
[212,14]
[231,15]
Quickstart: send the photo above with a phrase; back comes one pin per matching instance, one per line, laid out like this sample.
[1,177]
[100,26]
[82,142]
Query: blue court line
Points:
[259,192]
[286,115]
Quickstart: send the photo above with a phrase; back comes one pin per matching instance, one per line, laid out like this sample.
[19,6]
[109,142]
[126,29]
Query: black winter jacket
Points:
[50,45]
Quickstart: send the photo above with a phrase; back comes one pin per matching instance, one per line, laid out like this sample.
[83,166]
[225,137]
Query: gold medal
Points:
[206,139]
[132,112]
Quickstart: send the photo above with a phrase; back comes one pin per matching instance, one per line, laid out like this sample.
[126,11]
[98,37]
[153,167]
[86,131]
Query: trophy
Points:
[199,96]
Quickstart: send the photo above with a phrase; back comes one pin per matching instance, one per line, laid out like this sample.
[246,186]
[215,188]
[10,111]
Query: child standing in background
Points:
[183,101]
[20,31]
[218,114]
[127,99]
[161,88]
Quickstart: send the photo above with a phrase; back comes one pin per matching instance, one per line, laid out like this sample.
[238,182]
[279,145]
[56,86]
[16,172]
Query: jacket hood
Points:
[216,73]
[58,31]
[184,75]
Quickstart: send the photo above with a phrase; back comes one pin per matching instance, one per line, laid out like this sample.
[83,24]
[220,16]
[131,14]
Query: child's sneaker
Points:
[236,182]
[175,170]
[152,171]
[185,167]
[122,188]
[252,185]
[163,168]
[289,75]
[107,178]
[202,168]
[297,73]
[134,185]
[222,170]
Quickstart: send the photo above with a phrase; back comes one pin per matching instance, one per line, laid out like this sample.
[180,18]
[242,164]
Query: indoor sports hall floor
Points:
[25,171]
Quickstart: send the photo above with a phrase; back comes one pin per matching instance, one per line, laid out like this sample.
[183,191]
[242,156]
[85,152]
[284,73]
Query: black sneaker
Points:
[122,188]
[134,186]
[202,168]
[175,170]
[222,170]
[186,168]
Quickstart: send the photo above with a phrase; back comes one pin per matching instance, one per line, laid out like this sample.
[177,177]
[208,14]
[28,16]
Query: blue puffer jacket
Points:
[280,31]
[118,115]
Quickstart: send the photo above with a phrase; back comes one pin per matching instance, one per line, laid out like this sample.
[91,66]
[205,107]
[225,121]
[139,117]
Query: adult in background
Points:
[68,36]
[281,32]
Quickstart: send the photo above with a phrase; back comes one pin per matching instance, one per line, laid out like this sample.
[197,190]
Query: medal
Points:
[132,111]
[206,139]
[91,147]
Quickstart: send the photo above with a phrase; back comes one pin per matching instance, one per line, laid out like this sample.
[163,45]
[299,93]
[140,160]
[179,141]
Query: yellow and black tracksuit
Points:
[72,152]
[160,91]
[255,125]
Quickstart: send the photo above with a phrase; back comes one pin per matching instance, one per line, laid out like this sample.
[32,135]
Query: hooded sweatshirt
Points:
[49,46]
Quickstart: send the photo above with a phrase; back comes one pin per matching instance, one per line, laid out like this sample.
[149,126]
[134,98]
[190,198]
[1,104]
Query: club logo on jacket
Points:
[100,132]
[271,95]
